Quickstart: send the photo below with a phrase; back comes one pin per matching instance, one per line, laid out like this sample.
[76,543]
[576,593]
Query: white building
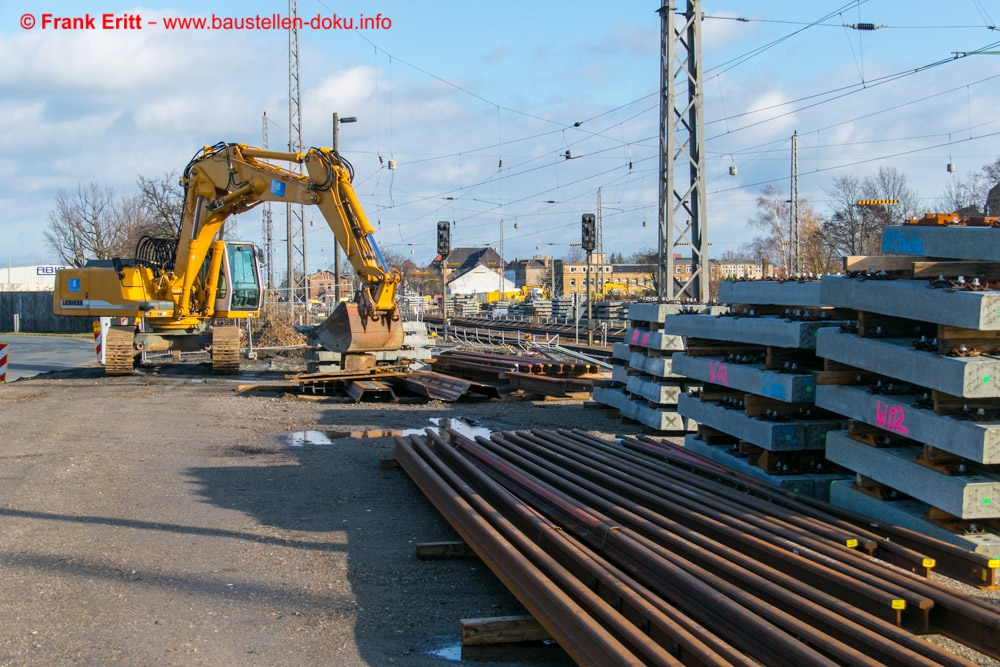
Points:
[479,280]
[40,278]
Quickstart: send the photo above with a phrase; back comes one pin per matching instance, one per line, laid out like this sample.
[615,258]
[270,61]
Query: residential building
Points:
[461,260]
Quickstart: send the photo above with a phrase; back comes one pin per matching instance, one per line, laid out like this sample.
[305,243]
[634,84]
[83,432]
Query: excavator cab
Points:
[238,294]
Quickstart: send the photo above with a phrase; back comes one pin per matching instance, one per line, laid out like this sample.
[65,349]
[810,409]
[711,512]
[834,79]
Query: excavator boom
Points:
[231,178]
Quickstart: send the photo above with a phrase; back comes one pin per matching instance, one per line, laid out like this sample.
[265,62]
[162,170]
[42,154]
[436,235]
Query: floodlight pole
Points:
[337,120]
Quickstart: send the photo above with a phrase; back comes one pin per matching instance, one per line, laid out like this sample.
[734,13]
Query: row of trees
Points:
[96,223]
[850,229]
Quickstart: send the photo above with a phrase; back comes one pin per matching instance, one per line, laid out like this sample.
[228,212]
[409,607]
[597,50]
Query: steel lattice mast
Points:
[682,219]
[295,215]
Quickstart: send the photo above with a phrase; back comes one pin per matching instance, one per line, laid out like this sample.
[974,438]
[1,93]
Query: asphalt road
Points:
[28,356]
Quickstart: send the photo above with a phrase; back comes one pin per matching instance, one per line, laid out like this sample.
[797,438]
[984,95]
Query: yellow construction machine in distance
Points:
[177,286]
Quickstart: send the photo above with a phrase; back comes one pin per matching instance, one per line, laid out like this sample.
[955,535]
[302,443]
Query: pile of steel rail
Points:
[550,377]
[630,554]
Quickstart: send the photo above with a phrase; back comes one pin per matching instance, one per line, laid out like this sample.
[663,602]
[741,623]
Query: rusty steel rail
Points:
[608,526]
[965,619]
[847,632]
[629,599]
[588,642]
[549,386]
[437,386]
[821,563]
[518,363]
[898,545]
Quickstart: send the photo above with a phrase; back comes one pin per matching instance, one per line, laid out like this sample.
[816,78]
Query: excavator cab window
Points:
[243,277]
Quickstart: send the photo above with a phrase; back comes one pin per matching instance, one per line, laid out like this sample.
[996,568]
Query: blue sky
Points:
[476,105]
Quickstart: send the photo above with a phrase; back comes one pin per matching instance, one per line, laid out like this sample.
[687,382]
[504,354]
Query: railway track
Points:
[521,333]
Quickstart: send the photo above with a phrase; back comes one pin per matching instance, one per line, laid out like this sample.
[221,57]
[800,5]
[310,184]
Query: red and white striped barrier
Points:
[98,340]
[3,362]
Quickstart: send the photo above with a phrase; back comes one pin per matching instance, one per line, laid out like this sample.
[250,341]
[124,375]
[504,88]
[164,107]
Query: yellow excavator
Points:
[176,287]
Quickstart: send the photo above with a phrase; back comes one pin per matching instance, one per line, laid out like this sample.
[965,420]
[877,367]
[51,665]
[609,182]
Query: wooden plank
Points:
[443,550]
[842,377]
[711,436]
[952,339]
[946,404]
[706,347]
[876,325]
[831,365]
[874,436]
[502,630]
[880,262]
[388,464]
[931,269]
[759,405]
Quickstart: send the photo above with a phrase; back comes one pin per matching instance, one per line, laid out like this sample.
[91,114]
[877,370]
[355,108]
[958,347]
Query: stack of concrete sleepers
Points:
[756,410]
[644,385]
[924,435]
[609,311]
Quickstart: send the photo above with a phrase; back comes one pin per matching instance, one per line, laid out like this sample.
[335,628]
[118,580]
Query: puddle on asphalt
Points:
[466,427]
[450,651]
[308,438]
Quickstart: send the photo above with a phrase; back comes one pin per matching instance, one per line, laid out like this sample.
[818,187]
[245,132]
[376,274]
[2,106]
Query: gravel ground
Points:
[168,519]
[164,519]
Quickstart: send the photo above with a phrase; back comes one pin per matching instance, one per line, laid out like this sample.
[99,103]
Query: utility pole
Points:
[793,208]
[337,120]
[267,225]
[600,226]
[682,127]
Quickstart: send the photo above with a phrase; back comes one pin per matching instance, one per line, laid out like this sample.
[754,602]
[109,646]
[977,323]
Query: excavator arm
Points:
[228,179]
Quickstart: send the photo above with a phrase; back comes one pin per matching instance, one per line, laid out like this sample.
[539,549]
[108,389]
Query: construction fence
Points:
[31,312]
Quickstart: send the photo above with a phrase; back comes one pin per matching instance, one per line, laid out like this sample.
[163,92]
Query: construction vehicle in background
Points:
[615,289]
[178,288]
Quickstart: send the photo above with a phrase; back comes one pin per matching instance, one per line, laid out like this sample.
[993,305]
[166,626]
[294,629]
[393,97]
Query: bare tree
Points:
[575,255]
[86,225]
[851,229]
[854,229]
[163,203]
[742,254]
[772,221]
[992,172]
[965,196]
[890,183]
[816,253]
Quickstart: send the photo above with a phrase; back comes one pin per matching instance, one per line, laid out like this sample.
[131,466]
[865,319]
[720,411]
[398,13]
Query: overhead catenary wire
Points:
[467,189]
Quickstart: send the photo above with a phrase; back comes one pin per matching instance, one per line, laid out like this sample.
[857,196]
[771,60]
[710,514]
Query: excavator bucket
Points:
[346,331]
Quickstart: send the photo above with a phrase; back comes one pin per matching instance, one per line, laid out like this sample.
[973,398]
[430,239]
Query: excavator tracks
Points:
[225,350]
[119,351]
